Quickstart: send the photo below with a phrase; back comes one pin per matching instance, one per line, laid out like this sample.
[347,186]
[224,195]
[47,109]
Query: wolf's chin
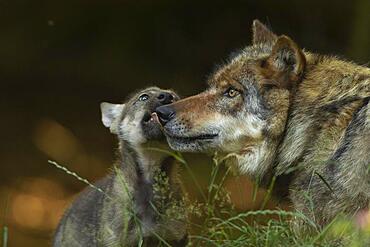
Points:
[152,131]
[185,145]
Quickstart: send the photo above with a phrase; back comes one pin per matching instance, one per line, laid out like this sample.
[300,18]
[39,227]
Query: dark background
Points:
[60,59]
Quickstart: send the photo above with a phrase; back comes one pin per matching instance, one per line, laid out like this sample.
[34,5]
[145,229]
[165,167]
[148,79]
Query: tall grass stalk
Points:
[69,172]
[5,229]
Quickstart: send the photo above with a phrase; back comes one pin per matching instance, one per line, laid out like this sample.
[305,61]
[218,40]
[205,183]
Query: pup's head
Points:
[132,121]
[246,103]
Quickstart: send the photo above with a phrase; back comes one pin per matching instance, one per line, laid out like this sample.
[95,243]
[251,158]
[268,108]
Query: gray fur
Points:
[142,199]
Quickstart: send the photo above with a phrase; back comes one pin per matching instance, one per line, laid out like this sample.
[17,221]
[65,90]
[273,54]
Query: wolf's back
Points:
[81,222]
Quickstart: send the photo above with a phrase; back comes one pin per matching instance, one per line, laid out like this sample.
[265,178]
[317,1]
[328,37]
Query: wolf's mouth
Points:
[148,118]
[201,137]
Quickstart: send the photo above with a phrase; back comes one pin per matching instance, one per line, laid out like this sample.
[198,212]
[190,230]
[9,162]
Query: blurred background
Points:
[60,59]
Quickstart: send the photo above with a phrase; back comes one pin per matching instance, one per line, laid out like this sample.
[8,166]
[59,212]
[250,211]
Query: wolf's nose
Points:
[165,114]
[165,98]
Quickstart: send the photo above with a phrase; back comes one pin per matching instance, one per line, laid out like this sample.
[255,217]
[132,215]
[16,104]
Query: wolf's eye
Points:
[144,97]
[231,92]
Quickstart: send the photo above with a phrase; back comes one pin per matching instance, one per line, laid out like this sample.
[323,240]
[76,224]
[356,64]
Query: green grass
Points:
[223,226]
[5,236]
[215,222]
[240,230]
[4,229]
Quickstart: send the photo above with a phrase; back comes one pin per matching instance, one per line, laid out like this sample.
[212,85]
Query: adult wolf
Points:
[286,115]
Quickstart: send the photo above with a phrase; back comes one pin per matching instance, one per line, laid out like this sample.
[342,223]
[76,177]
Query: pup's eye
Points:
[231,92]
[144,97]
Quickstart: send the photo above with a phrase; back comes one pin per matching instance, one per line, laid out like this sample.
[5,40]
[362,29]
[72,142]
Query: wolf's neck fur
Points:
[328,82]
[255,161]
[142,170]
[139,162]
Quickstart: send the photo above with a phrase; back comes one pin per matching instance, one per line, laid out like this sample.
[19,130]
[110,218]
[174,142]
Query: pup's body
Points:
[281,112]
[142,199]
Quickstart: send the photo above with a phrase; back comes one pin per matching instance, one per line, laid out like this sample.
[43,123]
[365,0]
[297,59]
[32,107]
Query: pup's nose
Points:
[165,98]
[165,114]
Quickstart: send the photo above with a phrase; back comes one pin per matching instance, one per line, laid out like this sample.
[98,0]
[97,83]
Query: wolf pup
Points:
[141,201]
[287,116]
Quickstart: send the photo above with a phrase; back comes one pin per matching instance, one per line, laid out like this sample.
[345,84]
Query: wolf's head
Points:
[244,110]
[132,121]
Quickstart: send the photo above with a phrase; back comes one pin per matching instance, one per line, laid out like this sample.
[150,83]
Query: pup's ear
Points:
[110,112]
[287,60]
[261,34]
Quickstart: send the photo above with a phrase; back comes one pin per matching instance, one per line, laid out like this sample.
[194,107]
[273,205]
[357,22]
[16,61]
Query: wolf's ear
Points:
[261,34]
[110,112]
[288,60]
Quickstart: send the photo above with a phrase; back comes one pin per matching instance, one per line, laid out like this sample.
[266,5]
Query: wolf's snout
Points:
[165,98]
[165,114]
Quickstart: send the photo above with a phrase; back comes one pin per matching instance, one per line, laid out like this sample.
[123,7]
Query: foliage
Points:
[223,226]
